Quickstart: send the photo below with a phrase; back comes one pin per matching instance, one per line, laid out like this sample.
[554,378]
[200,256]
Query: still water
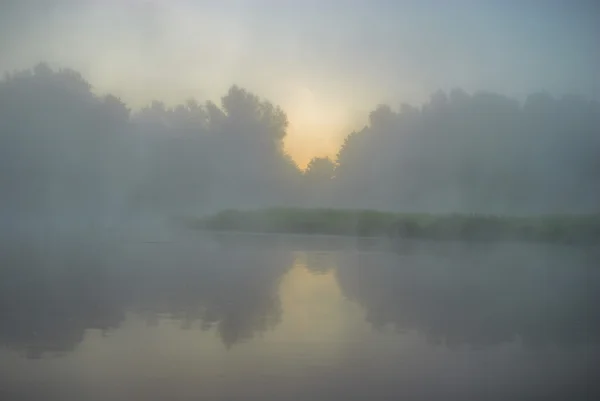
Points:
[297,318]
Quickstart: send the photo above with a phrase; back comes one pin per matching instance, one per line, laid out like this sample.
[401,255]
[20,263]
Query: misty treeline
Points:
[66,152]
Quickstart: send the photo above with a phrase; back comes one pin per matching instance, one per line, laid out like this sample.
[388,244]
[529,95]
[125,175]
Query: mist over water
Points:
[70,158]
[260,316]
[124,123]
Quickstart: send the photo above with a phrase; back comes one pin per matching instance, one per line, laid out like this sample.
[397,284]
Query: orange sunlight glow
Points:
[316,125]
[315,309]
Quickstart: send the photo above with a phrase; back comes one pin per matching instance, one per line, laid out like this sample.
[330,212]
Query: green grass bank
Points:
[575,229]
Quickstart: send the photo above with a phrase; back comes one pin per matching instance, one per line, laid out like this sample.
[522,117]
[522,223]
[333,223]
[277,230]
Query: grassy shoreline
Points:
[574,229]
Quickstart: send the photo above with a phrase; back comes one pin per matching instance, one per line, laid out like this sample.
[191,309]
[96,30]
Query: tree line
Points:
[66,152]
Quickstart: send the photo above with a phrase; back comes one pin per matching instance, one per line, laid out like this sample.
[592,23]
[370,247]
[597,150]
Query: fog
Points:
[326,63]
[69,156]
[140,111]
[303,317]
[127,126]
[455,294]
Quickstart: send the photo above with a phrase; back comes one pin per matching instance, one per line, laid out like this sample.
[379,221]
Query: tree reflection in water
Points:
[50,296]
[451,294]
[479,295]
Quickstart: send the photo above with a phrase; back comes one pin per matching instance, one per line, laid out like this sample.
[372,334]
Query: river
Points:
[242,317]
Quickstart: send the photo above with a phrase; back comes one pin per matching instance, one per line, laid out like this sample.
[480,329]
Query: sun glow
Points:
[314,307]
[316,125]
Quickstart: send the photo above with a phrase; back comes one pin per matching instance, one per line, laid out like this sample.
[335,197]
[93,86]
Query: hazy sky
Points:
[327,63]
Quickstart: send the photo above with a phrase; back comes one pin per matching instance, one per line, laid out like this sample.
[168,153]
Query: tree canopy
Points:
[66,151]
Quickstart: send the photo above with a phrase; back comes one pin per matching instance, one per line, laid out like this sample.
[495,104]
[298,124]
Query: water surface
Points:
[297,318]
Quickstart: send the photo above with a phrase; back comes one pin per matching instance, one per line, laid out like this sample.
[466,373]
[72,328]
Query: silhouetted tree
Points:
[318,181]
[206,157]
[320,169]
[62,149]
[482,153]
[70,155]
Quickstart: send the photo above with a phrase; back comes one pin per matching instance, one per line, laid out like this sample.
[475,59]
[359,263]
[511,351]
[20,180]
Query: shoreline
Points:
[563,229]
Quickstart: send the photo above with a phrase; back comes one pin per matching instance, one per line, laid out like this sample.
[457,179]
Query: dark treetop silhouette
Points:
[69,155]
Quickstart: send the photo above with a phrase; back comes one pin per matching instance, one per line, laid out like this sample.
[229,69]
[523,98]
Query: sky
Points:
[326,63]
